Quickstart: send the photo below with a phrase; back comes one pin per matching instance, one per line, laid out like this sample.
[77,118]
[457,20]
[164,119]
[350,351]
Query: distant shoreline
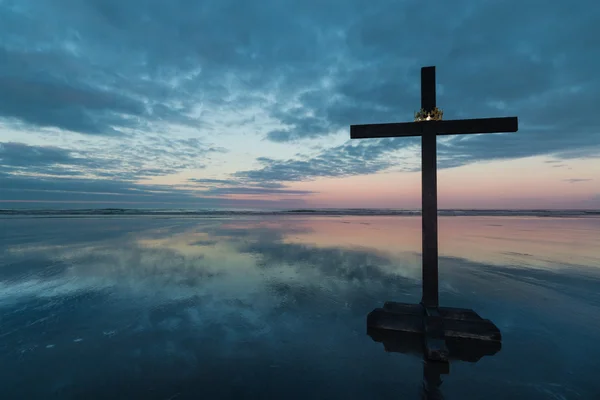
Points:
[315,212]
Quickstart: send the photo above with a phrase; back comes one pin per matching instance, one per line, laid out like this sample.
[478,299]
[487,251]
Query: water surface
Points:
[274,306]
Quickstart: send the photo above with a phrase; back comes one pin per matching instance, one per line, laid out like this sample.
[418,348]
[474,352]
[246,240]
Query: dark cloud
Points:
[19,155]
[257,191]
[205,242]
[95,67]
[542,77]
[220,183]
[113,67]
[75,185]
[243,186]
[300,124]
[372,156]
[22,158]
[27,191]
[345,160]
[106,64]
[46,101]
[155,156]
[539,79]
[151,154]
[208,181]
[575,180]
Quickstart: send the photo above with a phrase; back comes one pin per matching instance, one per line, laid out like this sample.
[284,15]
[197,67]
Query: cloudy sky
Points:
[247,104]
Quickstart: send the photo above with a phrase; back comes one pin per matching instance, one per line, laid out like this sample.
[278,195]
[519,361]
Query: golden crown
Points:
[433,115]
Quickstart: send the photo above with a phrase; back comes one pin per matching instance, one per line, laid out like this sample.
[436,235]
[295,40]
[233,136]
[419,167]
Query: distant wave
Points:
[319,212]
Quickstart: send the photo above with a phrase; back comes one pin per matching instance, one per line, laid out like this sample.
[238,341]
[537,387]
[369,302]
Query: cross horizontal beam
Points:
[450,127]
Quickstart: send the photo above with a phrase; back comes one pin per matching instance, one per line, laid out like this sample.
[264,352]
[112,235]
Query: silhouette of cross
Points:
[428,125]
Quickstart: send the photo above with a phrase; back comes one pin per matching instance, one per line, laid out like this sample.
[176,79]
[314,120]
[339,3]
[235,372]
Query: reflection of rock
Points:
[456,323]
[468,350]
[464,336]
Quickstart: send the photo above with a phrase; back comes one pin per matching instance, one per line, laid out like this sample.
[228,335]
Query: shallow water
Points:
[274,306]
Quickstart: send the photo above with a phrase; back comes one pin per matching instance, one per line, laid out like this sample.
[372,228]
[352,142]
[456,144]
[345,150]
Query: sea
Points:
[250,304]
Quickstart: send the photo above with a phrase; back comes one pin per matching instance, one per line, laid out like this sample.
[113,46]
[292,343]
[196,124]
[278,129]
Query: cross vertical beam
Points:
[428,126]
[429,197]
[427,318]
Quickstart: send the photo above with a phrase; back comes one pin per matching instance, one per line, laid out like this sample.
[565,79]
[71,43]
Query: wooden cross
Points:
[428,125]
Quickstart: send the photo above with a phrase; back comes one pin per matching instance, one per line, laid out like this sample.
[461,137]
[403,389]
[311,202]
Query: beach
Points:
[274,306]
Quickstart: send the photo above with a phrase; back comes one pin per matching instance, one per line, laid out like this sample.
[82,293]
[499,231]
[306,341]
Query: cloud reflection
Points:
[163,300]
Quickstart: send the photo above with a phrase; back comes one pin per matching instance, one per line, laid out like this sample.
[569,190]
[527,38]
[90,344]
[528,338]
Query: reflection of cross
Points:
[428,125]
